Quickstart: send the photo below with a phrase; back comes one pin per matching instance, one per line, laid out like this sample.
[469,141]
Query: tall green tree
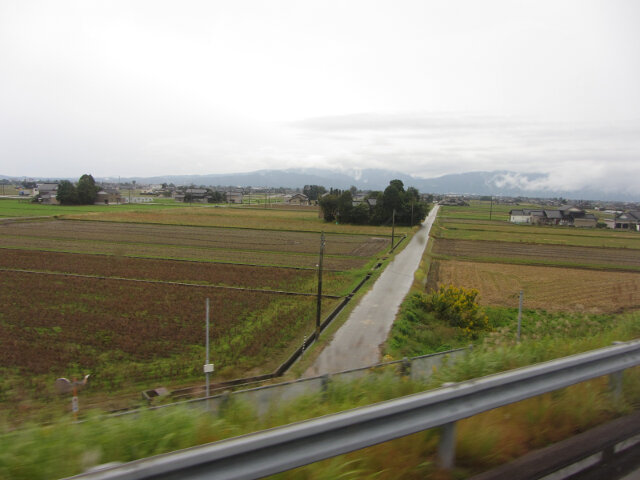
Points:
[67,193]
[87,190]
[409,209]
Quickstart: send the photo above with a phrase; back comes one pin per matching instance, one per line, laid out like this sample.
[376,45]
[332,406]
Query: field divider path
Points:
[165,282]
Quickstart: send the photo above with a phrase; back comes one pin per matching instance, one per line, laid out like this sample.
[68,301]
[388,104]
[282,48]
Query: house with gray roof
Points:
[567,215]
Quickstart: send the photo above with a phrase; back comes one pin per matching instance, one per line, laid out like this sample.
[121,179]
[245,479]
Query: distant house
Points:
[108,196]
[196,195]
[567,215]
[192,195]
[47,193]
[626,221]
[453,202]
[588,220]
[297,199]
[235,197]
[520,216]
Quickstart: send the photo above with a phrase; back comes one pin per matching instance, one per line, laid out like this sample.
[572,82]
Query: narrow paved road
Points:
[357,343]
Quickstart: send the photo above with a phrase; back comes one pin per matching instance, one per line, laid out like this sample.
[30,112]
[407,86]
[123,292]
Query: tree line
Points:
[85,192]
[378,208]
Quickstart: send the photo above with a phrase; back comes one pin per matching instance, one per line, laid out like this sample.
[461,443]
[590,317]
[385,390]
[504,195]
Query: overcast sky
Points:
[123,88]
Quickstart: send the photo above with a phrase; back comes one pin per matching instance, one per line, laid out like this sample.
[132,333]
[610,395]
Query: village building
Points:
[108,196]
[46,193]
[235,197]
[296,199]
[625,221]
[567,215]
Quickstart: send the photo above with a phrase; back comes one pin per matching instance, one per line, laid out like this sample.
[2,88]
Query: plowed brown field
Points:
[547,288]
[273,278]
[615,258]
[121,331]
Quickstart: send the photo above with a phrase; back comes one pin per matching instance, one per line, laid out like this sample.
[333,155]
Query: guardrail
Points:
[284,448]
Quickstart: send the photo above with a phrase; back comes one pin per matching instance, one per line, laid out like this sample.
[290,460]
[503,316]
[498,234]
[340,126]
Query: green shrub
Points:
[458,307]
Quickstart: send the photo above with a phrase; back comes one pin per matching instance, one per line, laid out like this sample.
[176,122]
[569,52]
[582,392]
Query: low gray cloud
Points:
[572,155]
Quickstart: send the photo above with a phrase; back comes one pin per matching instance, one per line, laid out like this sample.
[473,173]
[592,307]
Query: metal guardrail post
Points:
[406,367]
[615,381]
[447,446]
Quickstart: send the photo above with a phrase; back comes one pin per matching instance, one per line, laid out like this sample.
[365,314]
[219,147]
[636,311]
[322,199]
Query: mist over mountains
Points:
[497,183]
[500,183]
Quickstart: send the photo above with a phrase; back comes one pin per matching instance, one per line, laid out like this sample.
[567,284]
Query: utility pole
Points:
[393,227]
[491,208]
[319,303]
[412,200]
[208,367]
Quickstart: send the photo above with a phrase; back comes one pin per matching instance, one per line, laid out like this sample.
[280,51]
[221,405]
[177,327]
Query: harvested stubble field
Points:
[491,251]
[558,268]
[546,288]
[124,332]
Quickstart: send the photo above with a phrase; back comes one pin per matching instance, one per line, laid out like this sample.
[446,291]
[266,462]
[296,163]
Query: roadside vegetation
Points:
[483,441]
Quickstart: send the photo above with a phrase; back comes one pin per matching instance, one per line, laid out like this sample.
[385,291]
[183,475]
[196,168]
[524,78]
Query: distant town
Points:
[550,211]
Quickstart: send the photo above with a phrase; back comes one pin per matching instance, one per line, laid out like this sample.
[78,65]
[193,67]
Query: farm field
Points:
[564,255]
[553,235]
[125,333]
[296,249]
[10,207]
[280,218]
[546,288]
[124,301]
[226,275]
[558,268]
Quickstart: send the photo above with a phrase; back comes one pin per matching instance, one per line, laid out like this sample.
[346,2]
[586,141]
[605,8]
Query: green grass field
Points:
[12,208]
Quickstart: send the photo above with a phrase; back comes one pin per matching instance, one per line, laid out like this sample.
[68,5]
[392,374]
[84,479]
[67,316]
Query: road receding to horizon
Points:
[357,343]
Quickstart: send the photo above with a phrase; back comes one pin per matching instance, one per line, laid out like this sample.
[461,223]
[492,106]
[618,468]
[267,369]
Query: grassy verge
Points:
[483,441]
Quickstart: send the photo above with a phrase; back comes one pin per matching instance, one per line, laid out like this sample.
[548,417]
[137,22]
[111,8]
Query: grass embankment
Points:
[483,441]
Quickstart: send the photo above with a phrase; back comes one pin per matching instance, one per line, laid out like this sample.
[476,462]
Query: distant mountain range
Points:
[498,183]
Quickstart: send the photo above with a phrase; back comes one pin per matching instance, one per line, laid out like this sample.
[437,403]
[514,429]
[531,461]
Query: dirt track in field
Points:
[547,288]
[556,254]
